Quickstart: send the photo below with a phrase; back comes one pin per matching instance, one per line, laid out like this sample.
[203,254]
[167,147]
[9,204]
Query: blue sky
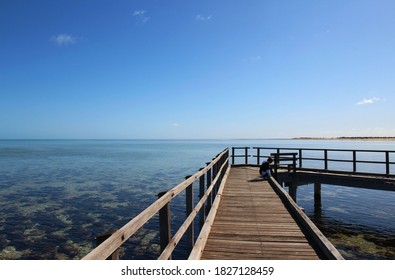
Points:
[196,69]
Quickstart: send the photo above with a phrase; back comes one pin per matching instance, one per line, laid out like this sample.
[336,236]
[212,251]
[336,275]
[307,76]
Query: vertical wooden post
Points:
[300,158]
[326,159]
[215,172]
[258,156]
[387,163]
[294,163]
[233,155]
[317,195]
[292,190]
[210,196]
[101,238]
[246,155]
[164,224]
[276,162]
[227,157]
[202,212]
[354,161]
[188,210]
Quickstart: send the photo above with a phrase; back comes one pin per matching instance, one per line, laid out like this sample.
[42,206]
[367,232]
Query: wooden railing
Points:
[353,159]
[326,247]
[209,179]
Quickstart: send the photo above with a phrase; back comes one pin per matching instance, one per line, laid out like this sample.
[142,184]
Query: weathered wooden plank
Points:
[252,222]
[248,256]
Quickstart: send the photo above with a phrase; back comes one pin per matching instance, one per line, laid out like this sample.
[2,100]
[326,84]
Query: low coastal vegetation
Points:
[366,138]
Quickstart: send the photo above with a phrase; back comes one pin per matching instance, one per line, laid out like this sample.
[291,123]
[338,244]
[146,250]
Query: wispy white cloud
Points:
[175,124]
[367,101]
[141,16]
[255,58]
[252,59]
[63,39]
[200,17]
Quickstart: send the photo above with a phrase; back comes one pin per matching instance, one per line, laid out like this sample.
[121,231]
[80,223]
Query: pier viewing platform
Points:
[233,213]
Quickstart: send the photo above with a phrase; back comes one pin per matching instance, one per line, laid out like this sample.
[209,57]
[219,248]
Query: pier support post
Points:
[164,224]
[292,190]
[317,196]
[189,208]
[101,238]
[202,212]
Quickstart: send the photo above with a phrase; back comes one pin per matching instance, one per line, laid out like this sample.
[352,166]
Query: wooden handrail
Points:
[180,233]
[327,157]
[105,249]
[311,229]
[201,241]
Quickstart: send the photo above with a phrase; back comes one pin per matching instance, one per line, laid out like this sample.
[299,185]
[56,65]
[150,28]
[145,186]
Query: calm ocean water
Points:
[56,196]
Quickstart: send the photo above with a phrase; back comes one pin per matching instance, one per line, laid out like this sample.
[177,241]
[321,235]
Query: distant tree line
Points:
[347,138]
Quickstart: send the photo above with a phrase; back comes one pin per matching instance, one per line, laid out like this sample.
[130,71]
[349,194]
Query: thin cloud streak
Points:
[367,101]
[141,16]
[200,17]
[63,39]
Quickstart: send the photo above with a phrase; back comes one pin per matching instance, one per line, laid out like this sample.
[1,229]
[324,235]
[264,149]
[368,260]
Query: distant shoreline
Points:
[357,138]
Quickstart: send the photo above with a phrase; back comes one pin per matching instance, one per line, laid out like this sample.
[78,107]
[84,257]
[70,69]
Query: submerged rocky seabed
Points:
[61,220]
[355,232]
[62,223]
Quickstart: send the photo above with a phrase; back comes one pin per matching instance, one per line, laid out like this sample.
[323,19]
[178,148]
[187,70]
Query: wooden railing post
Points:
[387,163]
[294,163]
[233,155]
[258,156]
[214,169]
[227,158]
[101,238]
[202,212]
[326,159]
[276,162]
[354,161]
[246,154]
[300,158]
[188,210]
[164,224]
[210,196]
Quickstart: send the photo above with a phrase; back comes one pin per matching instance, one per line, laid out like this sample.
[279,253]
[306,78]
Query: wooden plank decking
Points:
[253,223]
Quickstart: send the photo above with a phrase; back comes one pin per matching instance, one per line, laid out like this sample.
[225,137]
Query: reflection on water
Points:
[57,196]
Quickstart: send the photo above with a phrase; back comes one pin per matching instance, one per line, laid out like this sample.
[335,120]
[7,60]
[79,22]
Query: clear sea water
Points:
[56,196]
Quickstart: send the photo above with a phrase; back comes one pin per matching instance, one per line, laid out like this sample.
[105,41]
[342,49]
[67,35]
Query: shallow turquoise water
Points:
[57,195]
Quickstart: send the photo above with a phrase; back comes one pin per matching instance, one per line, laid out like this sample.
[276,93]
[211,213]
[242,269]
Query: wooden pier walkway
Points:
[252,222]
[239,215]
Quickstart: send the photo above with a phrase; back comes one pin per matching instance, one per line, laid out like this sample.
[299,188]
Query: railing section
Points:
[209,179]
[368,162]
